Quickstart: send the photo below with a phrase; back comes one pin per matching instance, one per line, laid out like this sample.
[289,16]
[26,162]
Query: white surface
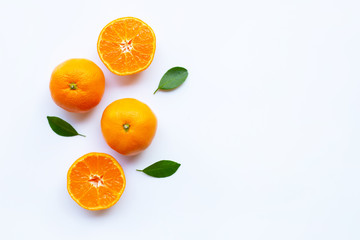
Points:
[266,126]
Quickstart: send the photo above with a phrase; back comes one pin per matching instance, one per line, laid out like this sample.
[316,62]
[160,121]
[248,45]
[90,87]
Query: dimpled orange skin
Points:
[77,85]
[128,126]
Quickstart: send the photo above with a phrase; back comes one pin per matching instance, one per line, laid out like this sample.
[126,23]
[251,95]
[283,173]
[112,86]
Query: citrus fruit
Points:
[126,46]
[77,85]
[96,181]
[128,126]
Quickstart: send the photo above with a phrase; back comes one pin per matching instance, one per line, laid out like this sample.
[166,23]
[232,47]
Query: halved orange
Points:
[126,46]
[96,181]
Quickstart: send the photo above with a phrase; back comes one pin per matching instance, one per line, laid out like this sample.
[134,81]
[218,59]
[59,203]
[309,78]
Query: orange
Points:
[126,46]
[77,85]
[128,126]
[96,181]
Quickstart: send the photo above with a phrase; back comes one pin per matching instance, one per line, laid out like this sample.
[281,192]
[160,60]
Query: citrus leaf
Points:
[161,169]
[173,78]
[61,127]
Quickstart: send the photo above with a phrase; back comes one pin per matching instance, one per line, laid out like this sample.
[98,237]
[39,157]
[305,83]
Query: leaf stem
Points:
[139,170]
[156,90]
[81,135]
[73,86]
[126,127]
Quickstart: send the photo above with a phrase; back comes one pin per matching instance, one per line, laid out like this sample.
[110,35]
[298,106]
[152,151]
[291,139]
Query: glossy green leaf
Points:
[173,78]
[61,127]
[161,169]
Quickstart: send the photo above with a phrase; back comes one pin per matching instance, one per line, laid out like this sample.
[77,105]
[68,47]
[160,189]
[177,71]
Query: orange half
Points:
[126,46]
[96,181]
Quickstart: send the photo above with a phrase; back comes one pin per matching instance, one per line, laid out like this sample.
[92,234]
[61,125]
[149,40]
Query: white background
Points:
[266,126]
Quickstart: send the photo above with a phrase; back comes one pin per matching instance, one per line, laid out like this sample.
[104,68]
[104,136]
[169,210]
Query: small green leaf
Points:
[161,169]
[173,78]
[61,127]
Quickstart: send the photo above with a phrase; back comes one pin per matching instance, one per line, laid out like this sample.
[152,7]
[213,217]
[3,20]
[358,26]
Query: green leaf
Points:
[161,169]
[173,78]
[61,127]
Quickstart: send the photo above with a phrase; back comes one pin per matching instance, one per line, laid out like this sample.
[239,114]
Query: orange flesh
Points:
[96,181]
[126,46]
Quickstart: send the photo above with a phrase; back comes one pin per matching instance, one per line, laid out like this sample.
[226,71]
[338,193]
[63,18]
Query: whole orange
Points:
[77,85]
[128,126]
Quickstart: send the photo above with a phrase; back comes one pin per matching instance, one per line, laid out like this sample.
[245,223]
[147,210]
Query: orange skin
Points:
[77,85]
[96,181]
[126,46]
[128,126]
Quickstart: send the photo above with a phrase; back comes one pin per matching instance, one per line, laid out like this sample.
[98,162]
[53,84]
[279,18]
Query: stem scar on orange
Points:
[128,126]
[96,181]
[77,85]
[126,46]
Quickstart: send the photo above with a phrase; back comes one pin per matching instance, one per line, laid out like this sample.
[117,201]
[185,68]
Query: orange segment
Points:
[106,196]
[126,46]
[79,189]
[90,200]
[96,181]
[80,173]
